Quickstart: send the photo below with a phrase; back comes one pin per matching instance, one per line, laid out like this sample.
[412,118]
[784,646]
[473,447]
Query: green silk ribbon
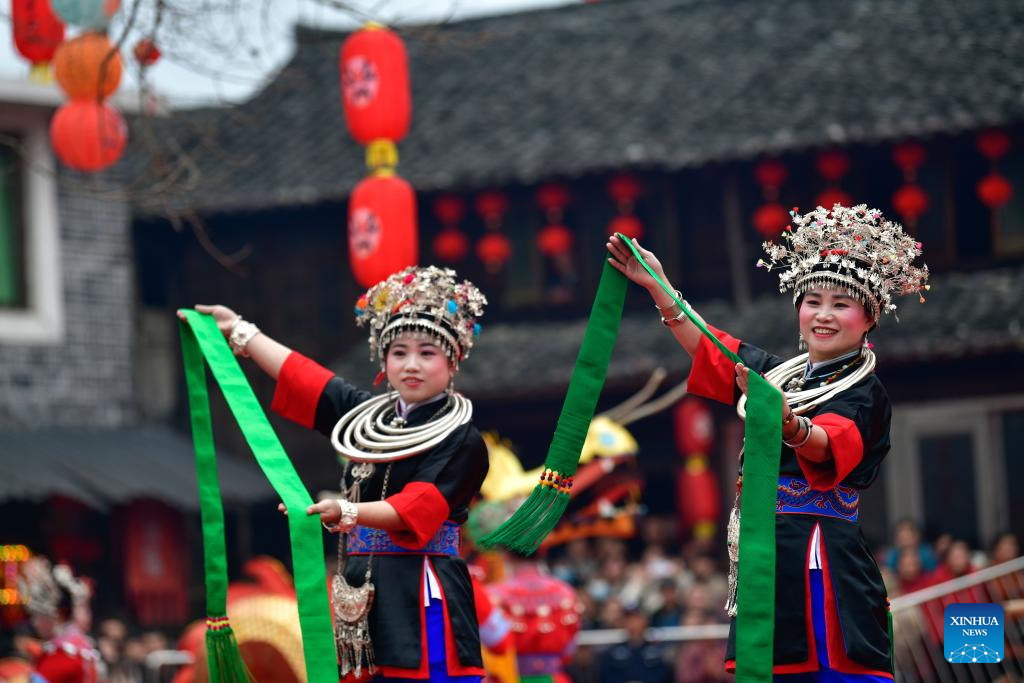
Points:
[201,339]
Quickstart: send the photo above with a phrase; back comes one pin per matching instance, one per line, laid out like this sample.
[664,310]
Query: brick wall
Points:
[86,378]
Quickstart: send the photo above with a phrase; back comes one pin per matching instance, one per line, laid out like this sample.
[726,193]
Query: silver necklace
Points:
[374,432]
[801,400]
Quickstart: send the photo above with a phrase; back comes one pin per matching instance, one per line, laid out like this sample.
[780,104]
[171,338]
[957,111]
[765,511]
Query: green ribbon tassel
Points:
[538,515]
[201,341]
[524,531]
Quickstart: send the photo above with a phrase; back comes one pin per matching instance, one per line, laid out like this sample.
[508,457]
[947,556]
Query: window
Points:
[12,287]
[31,297]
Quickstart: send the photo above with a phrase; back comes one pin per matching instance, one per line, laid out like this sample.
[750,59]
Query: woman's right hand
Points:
[224,317]
[623,260]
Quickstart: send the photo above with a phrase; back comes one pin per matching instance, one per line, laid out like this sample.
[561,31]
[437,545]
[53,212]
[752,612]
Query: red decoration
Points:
[146,52]
[553,197]
[491,205]
[451,245]
[994,144]
[624,189]
[382,234]
[375,85]
[909,156]
[832,196]
[694,428]
[494,250]
[833,165]
[910,202]
[88,135]
[630,226]
[771,219]
[698,496]
[449,209]
[88,67]
[156,575]
[994,190]
[554,240]
[37,30]
[770,174]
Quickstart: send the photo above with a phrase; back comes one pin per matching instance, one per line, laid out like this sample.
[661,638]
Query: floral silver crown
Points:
[41,585]
[854,250]
[428,300]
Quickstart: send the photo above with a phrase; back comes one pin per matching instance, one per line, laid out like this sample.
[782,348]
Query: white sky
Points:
[226,54]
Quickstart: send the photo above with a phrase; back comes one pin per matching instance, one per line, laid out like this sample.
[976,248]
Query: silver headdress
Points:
[851,249]
[42,586]
[428,300]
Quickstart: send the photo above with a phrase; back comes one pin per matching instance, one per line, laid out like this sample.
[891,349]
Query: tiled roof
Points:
[965,315]
[588,88]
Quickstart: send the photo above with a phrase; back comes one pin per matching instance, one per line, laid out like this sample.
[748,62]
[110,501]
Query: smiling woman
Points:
[402,597]
[843,266]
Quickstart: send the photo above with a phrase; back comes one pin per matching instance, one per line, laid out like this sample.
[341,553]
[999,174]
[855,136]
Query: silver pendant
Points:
[361,471]
[352,626]
[732,540]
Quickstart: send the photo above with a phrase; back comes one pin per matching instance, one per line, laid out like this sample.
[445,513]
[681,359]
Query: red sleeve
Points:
[423,509]
[61,667]
[299,385]
[847,448]
[713,375]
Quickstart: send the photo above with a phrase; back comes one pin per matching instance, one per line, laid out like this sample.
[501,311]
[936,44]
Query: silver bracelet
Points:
[347,521]
[678,320]
[242,332]
[679,295]
[805,423]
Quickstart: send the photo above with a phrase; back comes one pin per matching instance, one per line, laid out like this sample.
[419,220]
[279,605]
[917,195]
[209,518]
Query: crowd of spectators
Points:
[656,581]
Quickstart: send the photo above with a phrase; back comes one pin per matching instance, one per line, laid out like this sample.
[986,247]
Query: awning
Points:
[104,467]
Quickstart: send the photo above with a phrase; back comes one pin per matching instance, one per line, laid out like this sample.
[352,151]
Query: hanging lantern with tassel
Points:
[451,244]
[698,495]
[624,191]
[88,135]
[770,218]
[494,249]
[994,190]
[910,201]
[833,165]
[37,34]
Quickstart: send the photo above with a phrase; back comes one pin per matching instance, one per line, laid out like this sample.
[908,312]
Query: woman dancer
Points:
[843,267]
[400,518]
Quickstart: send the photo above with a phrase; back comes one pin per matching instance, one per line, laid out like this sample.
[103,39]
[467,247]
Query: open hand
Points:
[624,261]
[742,377]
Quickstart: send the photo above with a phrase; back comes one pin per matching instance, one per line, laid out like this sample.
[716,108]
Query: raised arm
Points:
[685,332]
[268,354]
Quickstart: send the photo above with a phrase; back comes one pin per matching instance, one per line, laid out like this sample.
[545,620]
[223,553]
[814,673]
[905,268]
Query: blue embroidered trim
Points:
[364,540]
[797,497]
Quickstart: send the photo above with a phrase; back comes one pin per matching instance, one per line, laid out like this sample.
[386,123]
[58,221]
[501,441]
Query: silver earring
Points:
[802,344]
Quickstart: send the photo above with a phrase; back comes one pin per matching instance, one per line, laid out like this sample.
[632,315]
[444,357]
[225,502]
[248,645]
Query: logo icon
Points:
[973,633]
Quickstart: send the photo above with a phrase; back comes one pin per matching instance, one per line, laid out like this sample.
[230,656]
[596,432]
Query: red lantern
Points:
[554,240]
[37,30]
[909,156]
[553,196]
[449,209]
[833,165]
[630,226]
[375,85]
[382,234]
[451,245]
[624,189]
[698,496]
[910,202]
[832,196]
[146,52]
[994,144]
[694,428]
[771,219]
[88,135]
[770,174]
[491,205]
[494,250]
[994,190]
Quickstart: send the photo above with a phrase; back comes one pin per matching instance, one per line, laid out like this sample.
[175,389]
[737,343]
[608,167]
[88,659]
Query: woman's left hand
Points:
[742,377]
